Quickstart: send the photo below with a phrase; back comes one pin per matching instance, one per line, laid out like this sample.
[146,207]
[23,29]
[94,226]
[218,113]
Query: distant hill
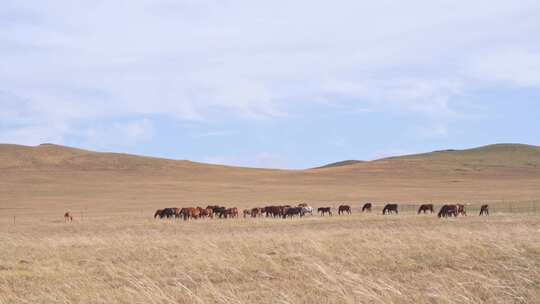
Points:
[510,155]
[341,163]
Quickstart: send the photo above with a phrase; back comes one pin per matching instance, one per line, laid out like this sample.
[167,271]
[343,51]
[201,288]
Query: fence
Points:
[524,207]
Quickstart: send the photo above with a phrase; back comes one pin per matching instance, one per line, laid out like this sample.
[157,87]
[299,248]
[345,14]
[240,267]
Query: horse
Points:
[231,212]
[448,211]
[206,212]
[255,212]
[68,217]
[307,209]
[343,209]
[461,209]
[167,212]
[302,205]
[324,210]
[292,211]
[390,208]
[176,212]
[247,212]
[484,210]
[189,212]
[425,208]
[158,213]
[220,211]
[366,207]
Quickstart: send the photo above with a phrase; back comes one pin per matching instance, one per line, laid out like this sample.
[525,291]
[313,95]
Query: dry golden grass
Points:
[361,258]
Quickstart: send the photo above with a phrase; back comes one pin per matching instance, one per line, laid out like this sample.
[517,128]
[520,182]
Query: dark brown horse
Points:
[231,212]
[367,207]
[461,209]
[343,209]
[448,211]
[158,213]
[484,210]
[390,208]
[68,217]
[292,211]
[323,210]
[425,208]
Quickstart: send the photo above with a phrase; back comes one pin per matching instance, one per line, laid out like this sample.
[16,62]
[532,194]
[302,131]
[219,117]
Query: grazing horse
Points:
[220,211]
[425,208]
[292,211]
[231,212]
[448,211]
[187,213]
[390,208]
[158,213]
[461,209]
[176,212]
[367,207]
[255,212]
[209,212]
[167,212]
[247,212]
[307,209]
[484,210]
[343,209]
[68,217]
[324,210]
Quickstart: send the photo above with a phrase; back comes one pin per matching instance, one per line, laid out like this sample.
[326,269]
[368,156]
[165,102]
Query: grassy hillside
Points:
[510,155]
[51,178]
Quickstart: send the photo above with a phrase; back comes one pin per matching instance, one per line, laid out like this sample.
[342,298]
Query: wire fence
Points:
[527,207]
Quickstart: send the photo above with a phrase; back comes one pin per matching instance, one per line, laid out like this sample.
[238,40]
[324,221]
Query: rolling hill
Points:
[52,177]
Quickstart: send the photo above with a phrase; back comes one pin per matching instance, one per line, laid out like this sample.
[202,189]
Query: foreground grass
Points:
[356,259]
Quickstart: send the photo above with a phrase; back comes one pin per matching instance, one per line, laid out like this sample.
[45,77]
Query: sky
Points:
[281,84]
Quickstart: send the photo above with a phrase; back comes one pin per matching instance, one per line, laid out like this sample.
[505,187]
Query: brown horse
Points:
[367,207]
[302,205]
[343,209]
[190,213]
[390,208]
[425,208]
[158,213]
[324,210]
[68,217]
[231,212]
[484,210]
[255,212]
[448,211]
[461,209]
[247,212]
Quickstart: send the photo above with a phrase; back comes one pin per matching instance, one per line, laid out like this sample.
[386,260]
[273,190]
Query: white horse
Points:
[307,209]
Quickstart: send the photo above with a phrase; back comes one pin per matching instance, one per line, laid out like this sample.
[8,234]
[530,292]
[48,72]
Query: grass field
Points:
[363,258]
[115,252]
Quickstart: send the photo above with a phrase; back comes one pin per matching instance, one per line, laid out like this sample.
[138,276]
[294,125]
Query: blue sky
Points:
[289,84]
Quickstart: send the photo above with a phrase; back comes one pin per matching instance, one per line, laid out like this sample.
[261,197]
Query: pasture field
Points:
[363,258]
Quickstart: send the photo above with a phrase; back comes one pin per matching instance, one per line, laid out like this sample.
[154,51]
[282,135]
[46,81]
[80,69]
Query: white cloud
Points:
[512,66]
[194,60]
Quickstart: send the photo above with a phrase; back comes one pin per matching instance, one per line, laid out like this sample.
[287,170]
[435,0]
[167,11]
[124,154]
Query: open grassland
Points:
[363,258]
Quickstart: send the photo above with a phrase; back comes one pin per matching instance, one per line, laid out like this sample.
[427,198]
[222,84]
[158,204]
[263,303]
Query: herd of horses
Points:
[300,210]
